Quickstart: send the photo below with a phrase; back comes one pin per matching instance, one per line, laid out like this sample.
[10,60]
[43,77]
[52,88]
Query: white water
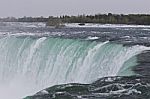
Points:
[106,25]
[23,24]
[28,65]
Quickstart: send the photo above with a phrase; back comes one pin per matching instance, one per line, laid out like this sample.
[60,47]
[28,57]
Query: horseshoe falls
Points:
[28,64]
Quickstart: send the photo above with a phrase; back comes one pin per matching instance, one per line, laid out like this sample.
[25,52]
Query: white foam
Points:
[92,38]
[25,24]
[105,25]
[33,48]
[43,92]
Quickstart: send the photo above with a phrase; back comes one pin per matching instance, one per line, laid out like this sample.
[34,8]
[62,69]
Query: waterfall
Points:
[28,65]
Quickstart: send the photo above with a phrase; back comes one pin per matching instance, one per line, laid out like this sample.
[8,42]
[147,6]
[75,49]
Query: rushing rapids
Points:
[30,62]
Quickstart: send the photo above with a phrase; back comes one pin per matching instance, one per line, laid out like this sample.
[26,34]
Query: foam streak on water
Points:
[28,65]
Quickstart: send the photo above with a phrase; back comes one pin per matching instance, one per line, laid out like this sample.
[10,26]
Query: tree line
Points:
[139,19]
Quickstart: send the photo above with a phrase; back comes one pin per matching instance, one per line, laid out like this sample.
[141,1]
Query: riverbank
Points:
[130,19]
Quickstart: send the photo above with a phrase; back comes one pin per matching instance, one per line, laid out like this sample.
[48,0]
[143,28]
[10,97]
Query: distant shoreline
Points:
[131,19]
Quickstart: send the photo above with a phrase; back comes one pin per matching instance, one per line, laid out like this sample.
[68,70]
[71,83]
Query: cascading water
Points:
[28,65]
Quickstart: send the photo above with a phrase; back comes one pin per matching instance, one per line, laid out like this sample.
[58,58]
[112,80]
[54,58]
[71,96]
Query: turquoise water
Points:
[126,69]
[33,64]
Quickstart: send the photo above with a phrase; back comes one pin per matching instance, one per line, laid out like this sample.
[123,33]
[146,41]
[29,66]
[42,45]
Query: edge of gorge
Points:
[143,64]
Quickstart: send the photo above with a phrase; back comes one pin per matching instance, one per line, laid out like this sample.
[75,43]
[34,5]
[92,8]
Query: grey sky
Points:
[19,8]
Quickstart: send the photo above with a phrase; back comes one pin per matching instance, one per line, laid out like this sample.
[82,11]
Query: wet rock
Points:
[81,24]
[134,87]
